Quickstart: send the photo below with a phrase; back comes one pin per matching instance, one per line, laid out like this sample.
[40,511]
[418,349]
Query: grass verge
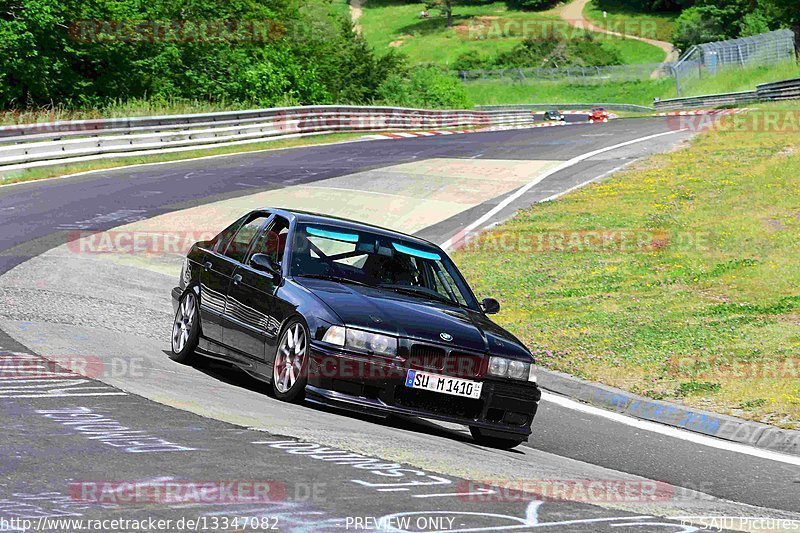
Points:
[678,278]
[100,164]
[390,24]
[633,92]
[739,79]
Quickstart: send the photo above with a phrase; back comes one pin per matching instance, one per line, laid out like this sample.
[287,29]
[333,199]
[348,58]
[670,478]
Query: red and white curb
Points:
[694,112]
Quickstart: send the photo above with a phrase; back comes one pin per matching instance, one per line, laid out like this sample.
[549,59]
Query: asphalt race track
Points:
[214,423]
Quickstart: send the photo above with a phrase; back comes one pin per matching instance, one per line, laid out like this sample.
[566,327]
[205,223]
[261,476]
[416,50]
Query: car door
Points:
[218,270]
[250,321]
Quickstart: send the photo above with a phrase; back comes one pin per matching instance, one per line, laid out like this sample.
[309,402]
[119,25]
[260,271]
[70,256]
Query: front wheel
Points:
[494,442]
[185,329]
[289,373]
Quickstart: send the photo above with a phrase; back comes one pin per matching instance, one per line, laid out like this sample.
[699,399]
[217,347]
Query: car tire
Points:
[186,329]
[494,442]
[290,368]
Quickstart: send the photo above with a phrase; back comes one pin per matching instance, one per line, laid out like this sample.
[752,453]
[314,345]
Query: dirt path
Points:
[573,14]
[356,10]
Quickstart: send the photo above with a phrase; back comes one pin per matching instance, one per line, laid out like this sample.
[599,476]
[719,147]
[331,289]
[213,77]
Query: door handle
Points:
[207,266]
[237,278]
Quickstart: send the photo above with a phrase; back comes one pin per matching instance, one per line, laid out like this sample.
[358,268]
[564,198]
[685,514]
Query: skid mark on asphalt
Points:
[379,476]
[99,468]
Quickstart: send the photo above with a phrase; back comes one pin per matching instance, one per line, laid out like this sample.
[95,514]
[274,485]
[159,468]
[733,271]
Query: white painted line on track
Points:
[519,192]
[562,401]
[585,183]
[670,431]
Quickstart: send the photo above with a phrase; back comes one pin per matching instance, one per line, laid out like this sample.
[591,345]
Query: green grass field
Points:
[390,24]
[628,21]
[638,92]
[735,80]
[641,93]
[693,296]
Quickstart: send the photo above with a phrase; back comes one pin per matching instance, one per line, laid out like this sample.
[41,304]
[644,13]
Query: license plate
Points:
[443,384]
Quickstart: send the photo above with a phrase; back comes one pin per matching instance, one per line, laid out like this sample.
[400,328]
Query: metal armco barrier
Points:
[779,90]
[711,100]
[59,142]
[564,107]
[765,92]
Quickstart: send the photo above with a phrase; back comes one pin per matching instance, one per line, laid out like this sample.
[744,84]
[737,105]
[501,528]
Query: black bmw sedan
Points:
[356,316]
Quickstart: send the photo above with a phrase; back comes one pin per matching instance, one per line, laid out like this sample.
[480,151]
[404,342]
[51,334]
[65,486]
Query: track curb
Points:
[716,425]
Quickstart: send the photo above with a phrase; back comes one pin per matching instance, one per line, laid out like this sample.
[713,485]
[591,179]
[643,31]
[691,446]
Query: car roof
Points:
[318,218]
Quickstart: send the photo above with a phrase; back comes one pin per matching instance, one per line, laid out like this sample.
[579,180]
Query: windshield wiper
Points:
[415,291]
[331,277]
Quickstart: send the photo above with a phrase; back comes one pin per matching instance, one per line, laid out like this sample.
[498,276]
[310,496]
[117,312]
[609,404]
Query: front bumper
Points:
[378,387]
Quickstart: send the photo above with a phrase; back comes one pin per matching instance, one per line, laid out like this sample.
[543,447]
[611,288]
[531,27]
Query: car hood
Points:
[415,318]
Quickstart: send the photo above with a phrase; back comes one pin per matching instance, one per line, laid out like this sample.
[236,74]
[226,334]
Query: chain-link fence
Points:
[763,49]
[701,60]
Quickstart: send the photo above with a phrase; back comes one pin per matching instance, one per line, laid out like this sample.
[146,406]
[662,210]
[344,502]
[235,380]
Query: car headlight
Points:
[365,341]
[508,368]
[498,366]
[335,335]
[362,341]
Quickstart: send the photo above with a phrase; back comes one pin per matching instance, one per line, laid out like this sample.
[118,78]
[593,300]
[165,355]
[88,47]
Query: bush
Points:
[535,53]
[424,87]
[469,60]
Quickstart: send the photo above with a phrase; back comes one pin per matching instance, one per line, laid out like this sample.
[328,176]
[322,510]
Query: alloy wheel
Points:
[291,358]
[184,320]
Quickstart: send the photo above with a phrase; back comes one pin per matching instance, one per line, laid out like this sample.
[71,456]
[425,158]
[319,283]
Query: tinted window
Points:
[222,240]
[237,248]
[393,264]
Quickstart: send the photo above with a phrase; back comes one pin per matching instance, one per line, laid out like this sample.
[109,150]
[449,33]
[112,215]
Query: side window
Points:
[222,240]
[272,241]
[238,246]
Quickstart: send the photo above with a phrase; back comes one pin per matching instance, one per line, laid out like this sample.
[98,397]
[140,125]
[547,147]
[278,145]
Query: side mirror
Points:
[490,306]
[264,263]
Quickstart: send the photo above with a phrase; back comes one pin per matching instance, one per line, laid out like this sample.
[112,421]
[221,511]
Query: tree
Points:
[443,6]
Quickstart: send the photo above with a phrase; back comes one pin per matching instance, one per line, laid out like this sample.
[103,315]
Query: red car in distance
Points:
[599,114]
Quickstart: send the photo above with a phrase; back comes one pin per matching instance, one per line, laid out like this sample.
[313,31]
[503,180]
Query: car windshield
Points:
[366,258]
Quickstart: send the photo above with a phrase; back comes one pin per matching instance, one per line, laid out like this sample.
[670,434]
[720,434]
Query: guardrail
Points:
[564,107]
[29,145]
[709,100]
[765,92]
[779,90]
